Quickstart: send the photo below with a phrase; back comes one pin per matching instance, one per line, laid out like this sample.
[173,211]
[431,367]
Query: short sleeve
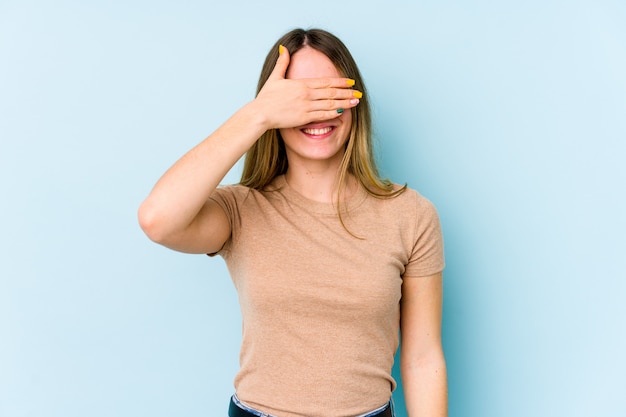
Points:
[427,256]
[228,198]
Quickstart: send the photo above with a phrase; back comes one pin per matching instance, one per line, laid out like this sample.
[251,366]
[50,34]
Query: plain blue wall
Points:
[510,116]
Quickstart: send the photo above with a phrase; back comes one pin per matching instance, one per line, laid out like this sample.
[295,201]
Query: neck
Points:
[319,184]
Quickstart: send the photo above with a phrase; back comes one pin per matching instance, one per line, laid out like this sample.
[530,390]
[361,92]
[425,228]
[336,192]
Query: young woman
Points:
[329,260]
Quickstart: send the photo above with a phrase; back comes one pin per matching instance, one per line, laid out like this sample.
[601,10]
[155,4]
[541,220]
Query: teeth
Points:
[317,132]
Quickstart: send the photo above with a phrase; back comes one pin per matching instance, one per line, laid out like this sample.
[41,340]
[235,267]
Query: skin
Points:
[315,155]
[178,213]
[300,98]
[422,363]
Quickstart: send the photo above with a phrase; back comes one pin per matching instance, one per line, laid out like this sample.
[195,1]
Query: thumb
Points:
[281,64]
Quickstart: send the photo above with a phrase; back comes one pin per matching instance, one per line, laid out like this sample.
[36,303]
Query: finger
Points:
[329,82]
[333,105]
[281,63]
[321,115]
[334,93]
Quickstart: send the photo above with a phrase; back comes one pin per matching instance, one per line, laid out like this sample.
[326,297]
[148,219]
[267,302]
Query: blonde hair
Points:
[267,158]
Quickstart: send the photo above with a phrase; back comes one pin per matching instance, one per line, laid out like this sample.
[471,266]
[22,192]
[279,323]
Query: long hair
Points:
[267,158]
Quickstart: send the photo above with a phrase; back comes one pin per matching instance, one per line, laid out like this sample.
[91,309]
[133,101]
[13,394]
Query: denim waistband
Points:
[252,411]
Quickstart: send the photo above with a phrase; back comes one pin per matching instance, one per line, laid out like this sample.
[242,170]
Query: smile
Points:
[318,132]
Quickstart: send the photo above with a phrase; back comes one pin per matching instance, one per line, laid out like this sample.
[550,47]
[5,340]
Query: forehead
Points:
[311,63]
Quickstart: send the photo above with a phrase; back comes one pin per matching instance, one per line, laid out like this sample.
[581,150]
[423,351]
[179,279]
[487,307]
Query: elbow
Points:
[151,223]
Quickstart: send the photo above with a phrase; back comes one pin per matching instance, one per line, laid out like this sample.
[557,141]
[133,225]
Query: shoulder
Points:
[240,197]
[414,215]
[232,189]
[230,197]
[406,214]
[234,193]
[410,201]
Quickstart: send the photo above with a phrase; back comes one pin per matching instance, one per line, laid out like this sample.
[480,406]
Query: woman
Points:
[328,259]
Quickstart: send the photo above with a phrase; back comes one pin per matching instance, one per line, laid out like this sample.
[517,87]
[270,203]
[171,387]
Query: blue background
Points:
[510,116]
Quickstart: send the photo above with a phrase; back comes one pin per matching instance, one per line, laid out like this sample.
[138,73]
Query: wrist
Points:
[257,119]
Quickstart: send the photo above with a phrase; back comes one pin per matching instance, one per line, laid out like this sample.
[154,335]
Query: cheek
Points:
[346,118]
[286,133]
[346,122]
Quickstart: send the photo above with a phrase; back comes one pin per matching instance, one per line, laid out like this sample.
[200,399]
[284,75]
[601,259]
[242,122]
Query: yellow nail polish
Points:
[281,49]
[350,82]
[357,94]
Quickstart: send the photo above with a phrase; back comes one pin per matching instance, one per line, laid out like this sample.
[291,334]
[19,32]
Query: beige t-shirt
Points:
[320,307]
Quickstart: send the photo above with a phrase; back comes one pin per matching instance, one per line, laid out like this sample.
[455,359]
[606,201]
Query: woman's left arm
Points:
[422,363]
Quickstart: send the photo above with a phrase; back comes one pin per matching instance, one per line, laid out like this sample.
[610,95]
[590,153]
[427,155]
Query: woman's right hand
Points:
[287,103]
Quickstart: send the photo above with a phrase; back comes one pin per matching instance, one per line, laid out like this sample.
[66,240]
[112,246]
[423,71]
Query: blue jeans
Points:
[258,413]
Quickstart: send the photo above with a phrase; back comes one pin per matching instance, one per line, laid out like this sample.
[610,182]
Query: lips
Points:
[317,131]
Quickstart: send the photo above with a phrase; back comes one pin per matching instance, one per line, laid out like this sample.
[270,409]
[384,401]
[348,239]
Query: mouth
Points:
[319,132]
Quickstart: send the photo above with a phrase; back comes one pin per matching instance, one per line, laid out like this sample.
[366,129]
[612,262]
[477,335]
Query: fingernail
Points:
[339,111]
[281,49]
[350,82]
[354,101]
[357,94]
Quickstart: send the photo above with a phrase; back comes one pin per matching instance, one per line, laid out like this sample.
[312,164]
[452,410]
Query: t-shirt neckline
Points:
[281,185]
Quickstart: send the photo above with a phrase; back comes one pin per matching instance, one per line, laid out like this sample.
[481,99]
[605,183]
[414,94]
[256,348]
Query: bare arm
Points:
[422,363]
[178,213]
